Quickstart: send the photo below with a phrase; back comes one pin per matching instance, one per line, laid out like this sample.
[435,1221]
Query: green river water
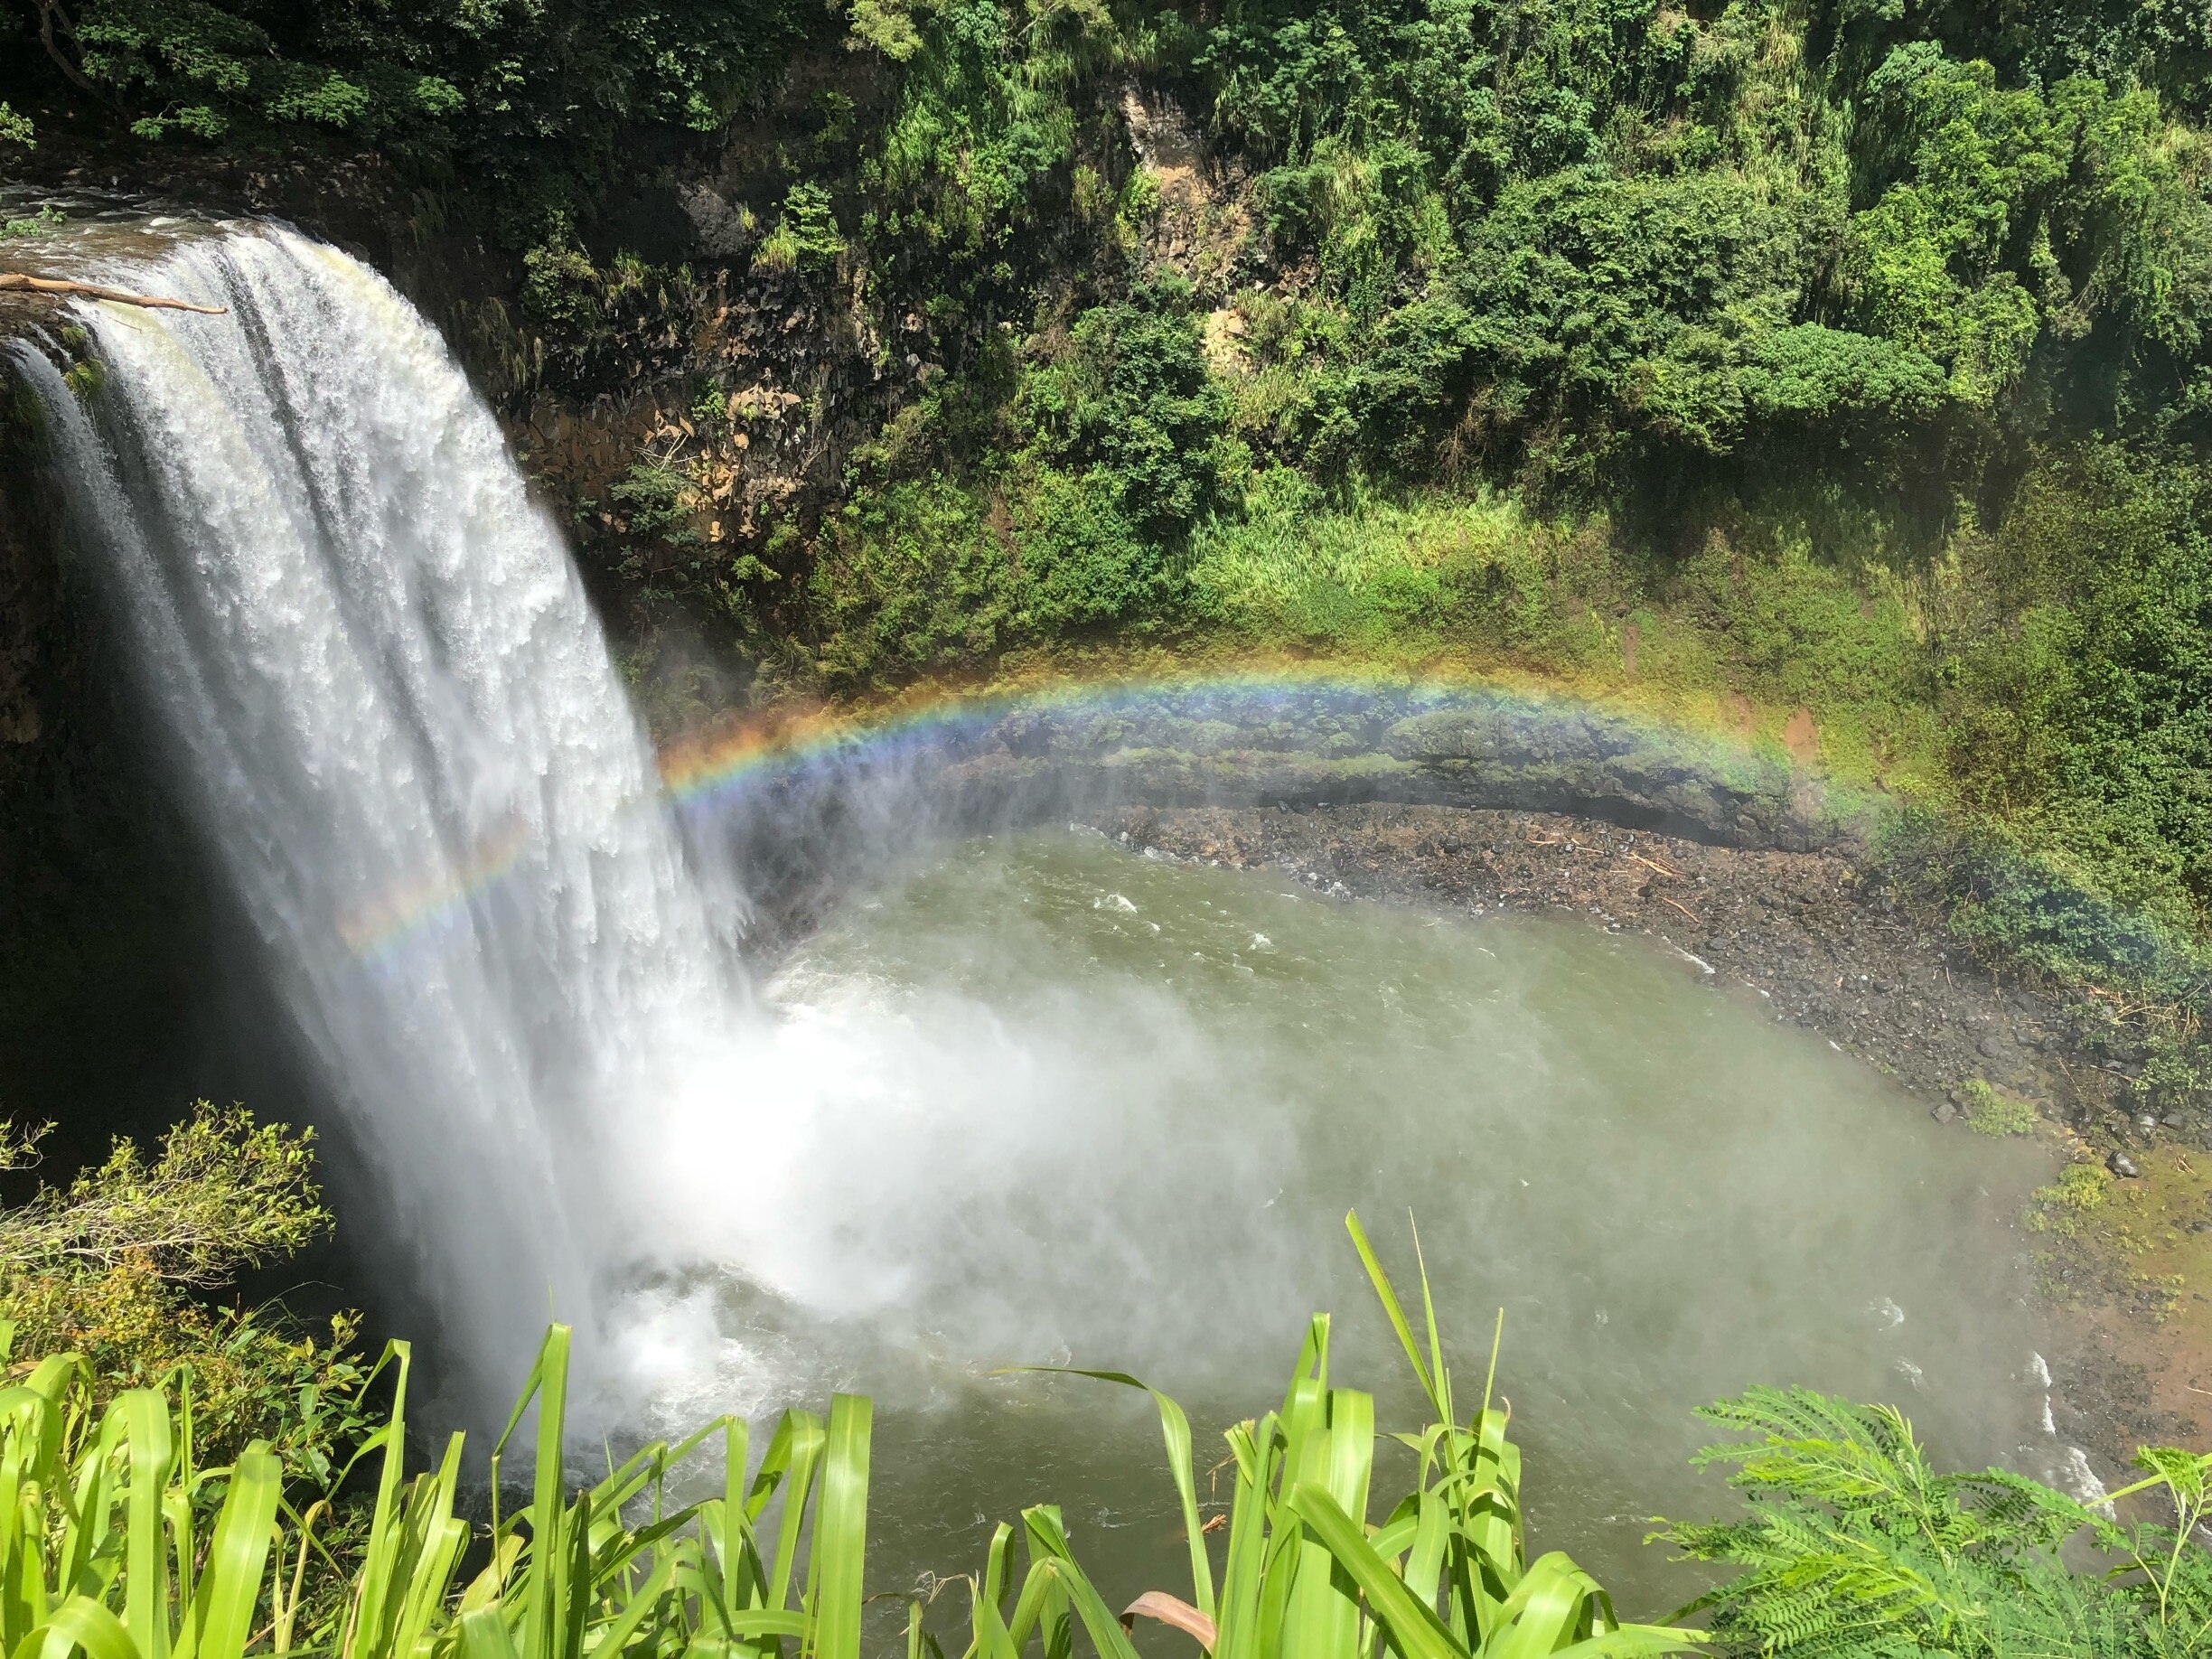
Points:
[1115,1110]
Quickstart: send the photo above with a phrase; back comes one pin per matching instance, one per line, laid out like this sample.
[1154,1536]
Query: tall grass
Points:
[102,1549]
[116,1544]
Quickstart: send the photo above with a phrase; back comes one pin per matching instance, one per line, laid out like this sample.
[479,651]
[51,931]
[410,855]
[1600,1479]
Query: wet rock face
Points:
[101,915]
[29,592]
[35,613]
[1410,747]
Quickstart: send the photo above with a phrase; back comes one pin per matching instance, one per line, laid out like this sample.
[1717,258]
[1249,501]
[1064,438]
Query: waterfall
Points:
[410,750]
[1048,1103]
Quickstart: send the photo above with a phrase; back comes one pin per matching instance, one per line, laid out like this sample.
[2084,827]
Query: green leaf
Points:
[840,1530]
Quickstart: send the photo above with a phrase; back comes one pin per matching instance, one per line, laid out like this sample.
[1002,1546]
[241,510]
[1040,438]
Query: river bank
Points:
[1820,941]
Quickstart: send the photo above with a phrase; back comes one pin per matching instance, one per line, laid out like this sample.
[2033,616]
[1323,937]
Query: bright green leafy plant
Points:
[116,1539]
[1857,1545]
[118,1266]
[100,1553]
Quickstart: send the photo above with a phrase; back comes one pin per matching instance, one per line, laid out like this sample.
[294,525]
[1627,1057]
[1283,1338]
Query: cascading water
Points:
[410,747]
[1032,1101]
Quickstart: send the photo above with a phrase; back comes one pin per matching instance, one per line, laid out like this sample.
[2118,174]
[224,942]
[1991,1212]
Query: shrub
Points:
[1992,1112]
[113,1268]
[806,238]
[1085,563]
[1857,1544]
[2083,705]
[913,576]
[46,218]
[2080,1190]
[1130,407]
[659,502]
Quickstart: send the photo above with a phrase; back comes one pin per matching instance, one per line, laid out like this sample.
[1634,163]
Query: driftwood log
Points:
[16,281]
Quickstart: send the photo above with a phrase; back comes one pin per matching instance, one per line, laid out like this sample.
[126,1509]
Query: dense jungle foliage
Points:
[1738,357]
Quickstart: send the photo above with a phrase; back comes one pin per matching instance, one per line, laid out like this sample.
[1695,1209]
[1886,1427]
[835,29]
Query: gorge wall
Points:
[106,925]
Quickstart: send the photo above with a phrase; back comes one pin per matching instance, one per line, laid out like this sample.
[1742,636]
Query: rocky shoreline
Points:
[1802,932]
[1809,936]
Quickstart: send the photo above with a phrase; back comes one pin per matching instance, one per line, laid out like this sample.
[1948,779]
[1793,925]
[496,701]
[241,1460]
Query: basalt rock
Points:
[103,915]
[1408,745]
[798,830]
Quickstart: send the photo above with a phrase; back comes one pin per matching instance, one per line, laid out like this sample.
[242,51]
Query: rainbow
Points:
[700,771]
[714,768]
[378,931]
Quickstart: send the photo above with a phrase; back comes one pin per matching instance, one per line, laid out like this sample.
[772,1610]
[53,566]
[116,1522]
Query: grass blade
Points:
[1414,1630]
[79,1624]
[145,1576]
[840,1528]
[1393,1311]
[230,1583]
[1174,1431]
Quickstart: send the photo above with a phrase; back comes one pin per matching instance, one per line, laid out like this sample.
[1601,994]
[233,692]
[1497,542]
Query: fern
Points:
[1855,1546]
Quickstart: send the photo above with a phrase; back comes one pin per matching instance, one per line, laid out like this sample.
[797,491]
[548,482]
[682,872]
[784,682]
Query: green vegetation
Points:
[2079,1189]
[34,224]
[1856,1544]
[102,1553]
[119,1267]
[1833,376]
[531,103]
[1840,363]
[1992,1112]
[1852,359]
[806,237]
[1729,361]
[143,1524]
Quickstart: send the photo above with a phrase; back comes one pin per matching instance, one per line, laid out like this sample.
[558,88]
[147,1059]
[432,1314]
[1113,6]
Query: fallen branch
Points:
[1652,864]
[17,282]
[1684,908]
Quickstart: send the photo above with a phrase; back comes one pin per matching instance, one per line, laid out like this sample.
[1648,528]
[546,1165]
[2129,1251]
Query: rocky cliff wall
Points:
[108,957]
